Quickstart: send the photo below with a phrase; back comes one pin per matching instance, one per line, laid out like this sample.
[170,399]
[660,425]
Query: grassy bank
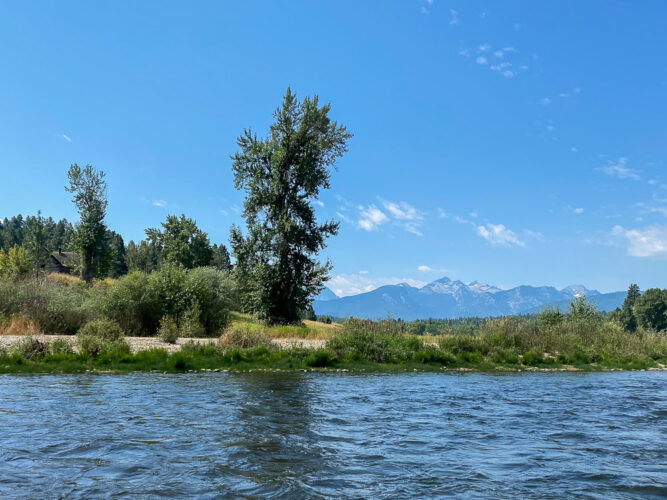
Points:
[503,344]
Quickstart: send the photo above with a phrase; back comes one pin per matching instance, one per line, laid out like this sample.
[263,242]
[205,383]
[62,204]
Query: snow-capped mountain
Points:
[446,298]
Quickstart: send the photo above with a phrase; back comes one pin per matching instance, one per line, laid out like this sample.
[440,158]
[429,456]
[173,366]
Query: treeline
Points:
[31,240]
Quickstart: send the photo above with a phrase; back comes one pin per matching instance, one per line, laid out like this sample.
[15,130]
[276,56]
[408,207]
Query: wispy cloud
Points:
[643,243]
[406,216]
[424,269]
[481,60]
[371,218]
[454,17]
[318,203]
[499,235]
[160,203]
[620,170]
[578,211]
[66,137]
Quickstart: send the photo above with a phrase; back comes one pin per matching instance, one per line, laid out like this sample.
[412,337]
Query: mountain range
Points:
[446,298]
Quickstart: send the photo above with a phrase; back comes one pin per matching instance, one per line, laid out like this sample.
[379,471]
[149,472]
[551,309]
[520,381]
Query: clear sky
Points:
[507,142]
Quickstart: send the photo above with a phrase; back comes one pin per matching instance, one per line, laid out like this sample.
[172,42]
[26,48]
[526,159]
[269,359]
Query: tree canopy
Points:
[282,174]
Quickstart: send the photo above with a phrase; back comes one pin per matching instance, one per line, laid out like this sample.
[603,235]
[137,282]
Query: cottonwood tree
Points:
[181,242]
[282,174]
[91,235]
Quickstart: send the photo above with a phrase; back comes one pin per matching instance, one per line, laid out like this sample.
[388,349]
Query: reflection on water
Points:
[303,435]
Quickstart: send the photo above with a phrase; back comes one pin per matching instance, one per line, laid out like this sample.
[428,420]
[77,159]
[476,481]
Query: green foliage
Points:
[60,346]
[550,316]
[321,358]
[582,310]
[168,330]
[15,263]
[31,348]
[282,174]
[245,336]
[103,329]
[651,309]
[220,258]
[55,307]
[91,239]
[142,257]
[181,242]
[372,345]
[36,242]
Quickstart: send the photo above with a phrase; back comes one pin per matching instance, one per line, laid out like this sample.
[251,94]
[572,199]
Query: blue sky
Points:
[506,142]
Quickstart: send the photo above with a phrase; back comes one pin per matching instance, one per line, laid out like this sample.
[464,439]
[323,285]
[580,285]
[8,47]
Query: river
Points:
[310,435]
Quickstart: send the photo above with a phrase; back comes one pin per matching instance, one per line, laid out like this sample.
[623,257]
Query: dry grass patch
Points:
[19,325]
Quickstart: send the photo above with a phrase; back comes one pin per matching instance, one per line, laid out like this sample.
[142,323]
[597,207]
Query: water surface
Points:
[305,435]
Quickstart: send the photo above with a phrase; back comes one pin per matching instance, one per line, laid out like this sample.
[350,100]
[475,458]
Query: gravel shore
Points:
[143,343]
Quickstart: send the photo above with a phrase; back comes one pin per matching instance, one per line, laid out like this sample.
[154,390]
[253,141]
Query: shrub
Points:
[94,346]
[60,346]
[190,326]
[244,336]
[532,358]
[131,304]
[31,348]
[212,294]
[168,330]
[359,342]
[321,358]
[103,329]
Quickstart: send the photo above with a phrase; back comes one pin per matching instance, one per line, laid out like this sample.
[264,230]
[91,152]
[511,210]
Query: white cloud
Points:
[578,211]
[66,137]
[160,203]
[363,272]
[545,101]
[484,47]
[318,203]
[406,216]
[225,213]
[236,209]
[371,217]
[499,235]
[456,218]
[353,284]
[620,170]
[647,242]
[481,60]
[454,17]
[424,269]
[573,149]
[564,94]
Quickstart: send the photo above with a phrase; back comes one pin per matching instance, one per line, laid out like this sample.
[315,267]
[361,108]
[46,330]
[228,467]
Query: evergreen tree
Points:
[118,263]
[36,241]
[651,309]
[282,174]
[91,239]
[142,257]
[220,258]
[627,315]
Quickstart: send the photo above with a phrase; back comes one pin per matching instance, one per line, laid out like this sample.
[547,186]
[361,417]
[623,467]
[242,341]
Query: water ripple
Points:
[302,435]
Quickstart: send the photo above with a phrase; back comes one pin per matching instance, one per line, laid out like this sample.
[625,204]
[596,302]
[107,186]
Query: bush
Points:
[103,329]
[244,336]
[60,346]
[321,358]
[31,348]
[359,341]
[95,346]
[168,330]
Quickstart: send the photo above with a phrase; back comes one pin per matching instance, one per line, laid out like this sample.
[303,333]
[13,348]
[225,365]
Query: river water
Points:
[305,435]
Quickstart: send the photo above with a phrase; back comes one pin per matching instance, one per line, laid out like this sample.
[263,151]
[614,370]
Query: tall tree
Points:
[282,175]
[651,309]
[36,241]
[627,315]
[220,258]
[118,266]
[91,239]
[141,257]
[181,242]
